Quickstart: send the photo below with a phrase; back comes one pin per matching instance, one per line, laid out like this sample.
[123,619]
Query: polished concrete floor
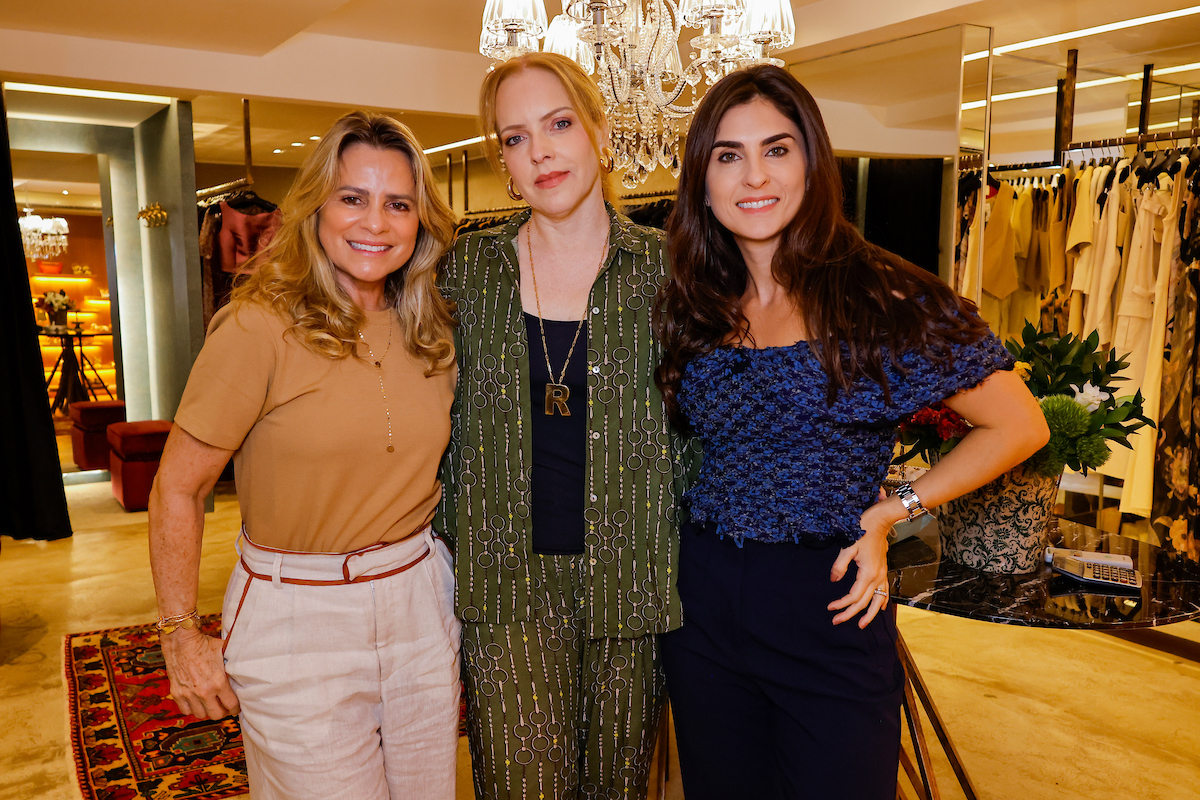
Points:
[1035,714]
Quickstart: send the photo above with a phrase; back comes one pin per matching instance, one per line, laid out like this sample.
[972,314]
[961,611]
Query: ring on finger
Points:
[882,593]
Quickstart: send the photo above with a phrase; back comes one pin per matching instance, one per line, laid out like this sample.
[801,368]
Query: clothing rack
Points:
[1028,165]
[497,210]
[1138,139]
[240,183]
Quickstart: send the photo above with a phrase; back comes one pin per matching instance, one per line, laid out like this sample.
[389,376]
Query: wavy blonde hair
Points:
[585,99]
[295,277]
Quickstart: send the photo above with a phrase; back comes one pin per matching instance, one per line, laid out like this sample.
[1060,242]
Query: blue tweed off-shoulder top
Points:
[780,464]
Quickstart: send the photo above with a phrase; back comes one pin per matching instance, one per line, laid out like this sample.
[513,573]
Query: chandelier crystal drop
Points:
[42,237]
[632,49]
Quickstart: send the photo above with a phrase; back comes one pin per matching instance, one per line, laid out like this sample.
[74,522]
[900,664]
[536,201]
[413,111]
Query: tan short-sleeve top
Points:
[311,433]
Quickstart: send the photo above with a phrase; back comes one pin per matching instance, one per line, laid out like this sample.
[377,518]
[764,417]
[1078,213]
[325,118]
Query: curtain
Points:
[33,504]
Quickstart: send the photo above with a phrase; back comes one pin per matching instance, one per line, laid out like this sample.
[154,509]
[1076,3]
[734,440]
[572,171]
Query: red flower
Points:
[202,780]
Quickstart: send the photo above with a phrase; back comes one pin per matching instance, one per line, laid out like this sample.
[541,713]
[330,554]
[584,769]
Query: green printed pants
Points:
[553,715]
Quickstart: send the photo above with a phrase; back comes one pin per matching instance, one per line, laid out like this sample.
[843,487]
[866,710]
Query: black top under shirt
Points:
[559,443]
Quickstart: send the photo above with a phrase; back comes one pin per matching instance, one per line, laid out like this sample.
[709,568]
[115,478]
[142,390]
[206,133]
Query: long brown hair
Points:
[855,299]
[294,276]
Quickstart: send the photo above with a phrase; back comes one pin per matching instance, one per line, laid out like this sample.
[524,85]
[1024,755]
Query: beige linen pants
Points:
[349,689]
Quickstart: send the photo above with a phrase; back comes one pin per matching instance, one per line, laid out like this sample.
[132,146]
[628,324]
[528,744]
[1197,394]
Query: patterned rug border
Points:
[81,775]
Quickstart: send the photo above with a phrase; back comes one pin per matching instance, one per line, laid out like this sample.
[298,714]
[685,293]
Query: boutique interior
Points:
[154,142]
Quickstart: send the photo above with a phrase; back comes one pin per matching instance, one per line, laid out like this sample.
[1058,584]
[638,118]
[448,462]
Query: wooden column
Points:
[246,140]
[466,197]
[1064,117]
[1144,111]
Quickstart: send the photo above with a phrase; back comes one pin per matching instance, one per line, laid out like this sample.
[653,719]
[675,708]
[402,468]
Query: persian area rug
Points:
[129,739]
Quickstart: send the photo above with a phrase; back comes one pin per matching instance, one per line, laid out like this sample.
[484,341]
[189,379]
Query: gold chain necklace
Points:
[379,372]
[557,392]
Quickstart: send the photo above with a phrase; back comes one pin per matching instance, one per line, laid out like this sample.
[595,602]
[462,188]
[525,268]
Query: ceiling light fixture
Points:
[1133,76]
[93,93]
[276,151]
[444,147]
[42,237]
[314,138]
[632,48]
[1165,98]
[1085,32]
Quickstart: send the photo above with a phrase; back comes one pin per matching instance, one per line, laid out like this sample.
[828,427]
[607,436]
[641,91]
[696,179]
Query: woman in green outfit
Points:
[562,473]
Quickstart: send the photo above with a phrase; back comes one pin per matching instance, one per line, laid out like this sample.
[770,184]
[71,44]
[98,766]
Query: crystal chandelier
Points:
[632,48]
[42,237]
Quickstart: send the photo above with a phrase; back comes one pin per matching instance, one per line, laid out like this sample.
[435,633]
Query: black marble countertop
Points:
[1170,585]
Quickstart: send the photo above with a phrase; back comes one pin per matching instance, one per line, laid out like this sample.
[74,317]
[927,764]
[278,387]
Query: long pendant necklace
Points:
[379,373]
[557,392]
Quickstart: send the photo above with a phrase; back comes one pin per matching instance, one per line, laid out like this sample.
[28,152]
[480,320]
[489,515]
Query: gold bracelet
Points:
[173,623]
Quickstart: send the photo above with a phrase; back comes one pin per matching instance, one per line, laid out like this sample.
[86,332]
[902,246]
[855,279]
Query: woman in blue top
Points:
[791,348]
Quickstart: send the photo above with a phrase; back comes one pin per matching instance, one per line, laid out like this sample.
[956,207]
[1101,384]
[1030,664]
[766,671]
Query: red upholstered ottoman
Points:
[133,462]
[89,440]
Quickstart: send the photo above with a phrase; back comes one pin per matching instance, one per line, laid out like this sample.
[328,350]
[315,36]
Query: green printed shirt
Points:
[635,463]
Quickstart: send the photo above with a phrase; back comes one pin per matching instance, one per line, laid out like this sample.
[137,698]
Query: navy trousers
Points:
[770,698]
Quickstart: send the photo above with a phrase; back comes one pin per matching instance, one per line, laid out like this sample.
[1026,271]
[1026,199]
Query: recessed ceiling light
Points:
[276,151]
[65,191]
[314,138]
[297,144]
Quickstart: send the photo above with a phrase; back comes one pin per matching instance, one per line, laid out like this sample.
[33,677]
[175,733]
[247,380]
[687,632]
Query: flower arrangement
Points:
[53,301]
[1074,385]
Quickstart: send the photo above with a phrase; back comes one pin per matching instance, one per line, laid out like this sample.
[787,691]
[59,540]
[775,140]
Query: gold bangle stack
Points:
[171,624]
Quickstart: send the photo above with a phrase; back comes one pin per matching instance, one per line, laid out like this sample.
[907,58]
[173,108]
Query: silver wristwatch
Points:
[912,503]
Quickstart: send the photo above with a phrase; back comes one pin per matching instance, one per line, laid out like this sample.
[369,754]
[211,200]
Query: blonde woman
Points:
[562,476]
[329,380]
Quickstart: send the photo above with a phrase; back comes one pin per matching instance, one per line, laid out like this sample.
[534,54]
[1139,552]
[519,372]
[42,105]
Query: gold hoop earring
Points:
[607,165]
[512,190]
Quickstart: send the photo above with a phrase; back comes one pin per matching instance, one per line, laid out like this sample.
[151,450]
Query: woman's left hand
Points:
[869,594]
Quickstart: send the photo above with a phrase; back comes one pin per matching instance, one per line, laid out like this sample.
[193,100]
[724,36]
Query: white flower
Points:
[1090,397]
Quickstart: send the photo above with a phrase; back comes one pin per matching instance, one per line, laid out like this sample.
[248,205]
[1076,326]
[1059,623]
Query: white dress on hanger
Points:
[1106,264]
[1137,497]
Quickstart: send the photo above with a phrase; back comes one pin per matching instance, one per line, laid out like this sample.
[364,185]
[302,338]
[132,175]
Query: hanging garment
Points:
[1176,502]
[1106,265]
[999,259]
[1136,308]
[1079,240]
[1138,495]
[242,235]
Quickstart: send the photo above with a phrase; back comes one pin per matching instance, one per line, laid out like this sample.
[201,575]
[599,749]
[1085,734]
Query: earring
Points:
[512,190]
[607,159]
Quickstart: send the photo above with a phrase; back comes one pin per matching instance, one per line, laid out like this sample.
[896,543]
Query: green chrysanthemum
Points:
[1064,416]
[1092,450]
[1045,463]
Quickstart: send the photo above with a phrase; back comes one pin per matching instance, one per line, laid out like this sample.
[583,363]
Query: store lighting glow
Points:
[1085,32]
[314,138]
[297,144]
[62,279]
[452,145]
[1133,76]
[97,301]
[93,93]
[276,151]
[1163,126]
[1165,98]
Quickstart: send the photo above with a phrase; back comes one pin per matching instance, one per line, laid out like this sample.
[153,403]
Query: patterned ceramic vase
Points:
[1000,527]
